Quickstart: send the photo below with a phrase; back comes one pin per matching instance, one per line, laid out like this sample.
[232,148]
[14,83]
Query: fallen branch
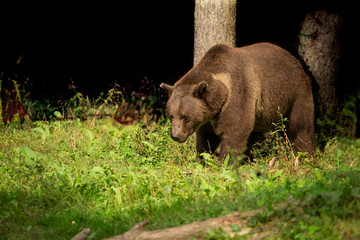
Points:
[198,230]
[83,235]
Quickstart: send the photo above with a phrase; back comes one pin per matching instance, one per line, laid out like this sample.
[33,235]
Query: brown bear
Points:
[234,92]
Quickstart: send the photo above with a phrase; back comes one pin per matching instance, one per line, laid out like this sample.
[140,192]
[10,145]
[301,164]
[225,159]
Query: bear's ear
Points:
[167,88]
[200,89]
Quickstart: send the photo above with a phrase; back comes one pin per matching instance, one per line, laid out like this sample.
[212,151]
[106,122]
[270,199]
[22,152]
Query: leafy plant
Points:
[11,104]
[280,128]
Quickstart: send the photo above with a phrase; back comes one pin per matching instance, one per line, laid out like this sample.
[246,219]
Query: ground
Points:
[59,177]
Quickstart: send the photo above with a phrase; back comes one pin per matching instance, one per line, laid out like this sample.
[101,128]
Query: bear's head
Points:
[191,105]
[186,109]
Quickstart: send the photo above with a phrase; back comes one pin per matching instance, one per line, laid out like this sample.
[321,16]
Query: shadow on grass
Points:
[294,209]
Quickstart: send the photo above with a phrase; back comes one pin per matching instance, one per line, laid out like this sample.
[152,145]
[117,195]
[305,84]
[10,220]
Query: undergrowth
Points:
[125,107]
[87,170]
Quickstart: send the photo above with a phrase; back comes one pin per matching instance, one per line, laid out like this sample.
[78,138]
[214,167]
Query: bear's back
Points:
[272,64]
[264,66]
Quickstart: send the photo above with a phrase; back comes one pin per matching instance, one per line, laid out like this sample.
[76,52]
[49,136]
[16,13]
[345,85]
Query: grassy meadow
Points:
[58,177]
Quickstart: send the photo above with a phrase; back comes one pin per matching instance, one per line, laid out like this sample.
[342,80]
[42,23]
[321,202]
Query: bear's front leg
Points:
[233,146]
[206,139]
[234,137]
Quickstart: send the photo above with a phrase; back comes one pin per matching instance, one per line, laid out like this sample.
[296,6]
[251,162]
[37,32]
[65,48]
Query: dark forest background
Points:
[54,45]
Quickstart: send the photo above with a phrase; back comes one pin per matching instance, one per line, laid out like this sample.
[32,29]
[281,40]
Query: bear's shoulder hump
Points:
[219,48]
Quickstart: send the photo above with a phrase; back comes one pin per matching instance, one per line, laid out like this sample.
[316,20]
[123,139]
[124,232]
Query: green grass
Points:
[57,178]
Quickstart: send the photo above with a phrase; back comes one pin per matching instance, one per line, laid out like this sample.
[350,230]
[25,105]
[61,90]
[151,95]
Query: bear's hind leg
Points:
[206,139]
[301,127]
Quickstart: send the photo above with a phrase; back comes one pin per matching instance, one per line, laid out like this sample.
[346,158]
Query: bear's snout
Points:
[178,132]
[178,136]
[175,137]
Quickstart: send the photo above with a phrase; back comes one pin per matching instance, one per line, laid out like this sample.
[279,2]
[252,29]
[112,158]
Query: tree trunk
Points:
[320,49]
[214,23]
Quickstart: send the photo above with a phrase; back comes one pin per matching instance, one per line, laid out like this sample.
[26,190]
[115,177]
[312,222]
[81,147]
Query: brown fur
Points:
[234,92]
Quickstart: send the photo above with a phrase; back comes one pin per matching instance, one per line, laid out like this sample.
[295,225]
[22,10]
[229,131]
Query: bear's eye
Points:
[185,117]
[171,117]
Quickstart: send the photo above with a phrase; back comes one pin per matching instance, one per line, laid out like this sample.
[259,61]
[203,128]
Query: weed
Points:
[11,104]
[280,128]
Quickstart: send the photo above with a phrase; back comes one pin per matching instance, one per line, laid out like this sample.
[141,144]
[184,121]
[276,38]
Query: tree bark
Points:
[320,49]
[214,23]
